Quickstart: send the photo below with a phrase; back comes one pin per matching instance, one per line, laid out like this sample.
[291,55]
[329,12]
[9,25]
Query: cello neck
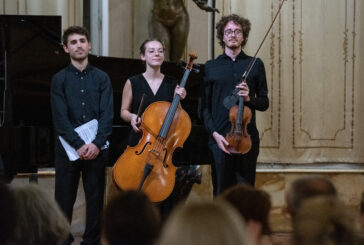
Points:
[176,99]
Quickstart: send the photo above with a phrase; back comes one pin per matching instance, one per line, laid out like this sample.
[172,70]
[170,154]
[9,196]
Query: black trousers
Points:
[93,180]
[229,170]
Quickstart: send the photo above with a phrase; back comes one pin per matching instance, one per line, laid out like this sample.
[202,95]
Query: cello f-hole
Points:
[145,145]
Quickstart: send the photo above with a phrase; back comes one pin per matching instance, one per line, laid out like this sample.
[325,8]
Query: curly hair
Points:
[244,23]
[75,30]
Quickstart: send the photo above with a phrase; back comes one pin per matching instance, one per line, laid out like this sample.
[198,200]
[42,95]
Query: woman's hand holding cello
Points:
[181,92]
[135,122]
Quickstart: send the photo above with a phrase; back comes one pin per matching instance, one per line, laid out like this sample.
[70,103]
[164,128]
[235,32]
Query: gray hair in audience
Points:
[306,187]
[205,222]
[40,220]
[7,213]
[323,220]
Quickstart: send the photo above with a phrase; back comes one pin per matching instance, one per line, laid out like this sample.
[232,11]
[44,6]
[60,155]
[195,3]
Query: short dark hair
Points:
[130,218]
[244,23]
[75,30]
[142,46]
[252,204]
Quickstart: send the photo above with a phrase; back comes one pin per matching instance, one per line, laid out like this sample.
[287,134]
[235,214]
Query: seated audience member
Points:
[7,213]
[323,220]
[39,219]
[361,218]
[130,218]
[306,187]
[362,210]
[254,206]
[205,222]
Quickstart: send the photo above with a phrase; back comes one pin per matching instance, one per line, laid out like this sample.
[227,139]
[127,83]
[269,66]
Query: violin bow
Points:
[252,62]
[140,106]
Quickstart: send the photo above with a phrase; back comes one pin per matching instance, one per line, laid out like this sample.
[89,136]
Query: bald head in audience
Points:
[307,187]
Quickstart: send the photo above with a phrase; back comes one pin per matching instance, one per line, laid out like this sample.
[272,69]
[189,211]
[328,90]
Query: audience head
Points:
[204,222]
[307,187]
[254,205]
[39,219]
[362,212]
[7,213]
[362,204]
[323,220]
[130,218]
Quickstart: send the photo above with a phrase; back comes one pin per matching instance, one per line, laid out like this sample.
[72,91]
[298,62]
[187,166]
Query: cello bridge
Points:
[155,152]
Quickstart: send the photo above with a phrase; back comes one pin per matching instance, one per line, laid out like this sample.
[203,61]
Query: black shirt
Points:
[78,97]
[221,77]
[140,86]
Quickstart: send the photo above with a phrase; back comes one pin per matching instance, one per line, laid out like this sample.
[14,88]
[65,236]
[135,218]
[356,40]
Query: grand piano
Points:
[31,53]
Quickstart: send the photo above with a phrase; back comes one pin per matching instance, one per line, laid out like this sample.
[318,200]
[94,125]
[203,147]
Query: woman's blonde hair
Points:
[204,222]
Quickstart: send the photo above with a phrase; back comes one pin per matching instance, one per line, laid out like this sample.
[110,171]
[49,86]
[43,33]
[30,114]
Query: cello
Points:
[148,166]
[240,115]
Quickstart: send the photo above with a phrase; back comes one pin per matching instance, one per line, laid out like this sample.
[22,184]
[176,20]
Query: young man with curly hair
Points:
[223,87]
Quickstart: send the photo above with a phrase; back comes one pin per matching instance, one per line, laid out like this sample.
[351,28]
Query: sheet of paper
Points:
[87,132]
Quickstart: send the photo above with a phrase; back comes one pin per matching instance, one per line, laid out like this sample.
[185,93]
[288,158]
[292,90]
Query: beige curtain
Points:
[314,61]
[70,10]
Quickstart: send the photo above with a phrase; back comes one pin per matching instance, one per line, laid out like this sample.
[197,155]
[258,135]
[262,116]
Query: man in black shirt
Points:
[79,94]
[222,78]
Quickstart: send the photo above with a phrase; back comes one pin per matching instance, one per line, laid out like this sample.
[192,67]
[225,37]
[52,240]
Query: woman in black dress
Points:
[155,85]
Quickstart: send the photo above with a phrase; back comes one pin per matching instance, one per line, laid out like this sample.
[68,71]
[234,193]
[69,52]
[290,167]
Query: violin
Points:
[148,166]
[240,115]
[238,137]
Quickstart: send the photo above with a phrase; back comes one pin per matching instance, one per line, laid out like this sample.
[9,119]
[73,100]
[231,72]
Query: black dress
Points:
[140,86]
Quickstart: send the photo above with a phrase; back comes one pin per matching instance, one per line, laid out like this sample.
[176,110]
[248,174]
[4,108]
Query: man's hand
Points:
[91,153]
[243,91]
[221,142]
[81,151]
